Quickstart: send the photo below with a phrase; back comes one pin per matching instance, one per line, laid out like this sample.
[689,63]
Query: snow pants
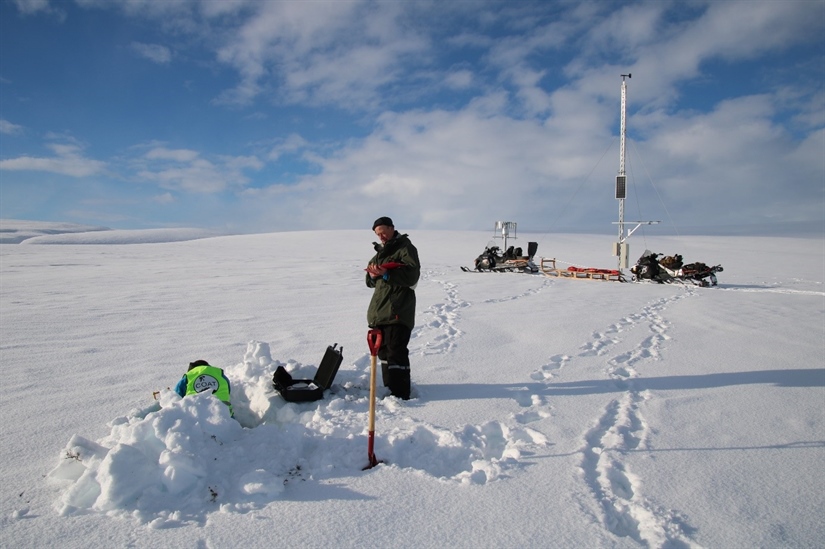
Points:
[395,359]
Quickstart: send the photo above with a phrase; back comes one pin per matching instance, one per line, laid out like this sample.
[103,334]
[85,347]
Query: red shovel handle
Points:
[374,341]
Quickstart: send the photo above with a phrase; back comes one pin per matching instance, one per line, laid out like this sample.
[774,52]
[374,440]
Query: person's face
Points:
[384,232]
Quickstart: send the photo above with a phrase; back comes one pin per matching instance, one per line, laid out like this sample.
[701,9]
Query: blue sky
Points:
[251,116]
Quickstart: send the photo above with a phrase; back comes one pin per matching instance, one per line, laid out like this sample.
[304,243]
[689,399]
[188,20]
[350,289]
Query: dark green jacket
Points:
[393,301]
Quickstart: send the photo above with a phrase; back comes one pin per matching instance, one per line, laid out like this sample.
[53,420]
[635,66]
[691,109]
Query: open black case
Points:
[307,390]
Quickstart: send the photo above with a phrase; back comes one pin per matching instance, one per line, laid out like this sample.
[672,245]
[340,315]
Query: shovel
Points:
[374,342]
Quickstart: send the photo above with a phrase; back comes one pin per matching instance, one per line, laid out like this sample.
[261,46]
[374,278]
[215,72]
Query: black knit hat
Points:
[382,221]
[198,363]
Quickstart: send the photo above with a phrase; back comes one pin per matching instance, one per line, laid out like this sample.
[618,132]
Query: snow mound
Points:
[15,231]
[182,458]
[139,236]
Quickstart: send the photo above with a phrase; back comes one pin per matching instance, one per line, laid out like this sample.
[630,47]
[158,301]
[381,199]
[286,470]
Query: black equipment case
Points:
[307,390]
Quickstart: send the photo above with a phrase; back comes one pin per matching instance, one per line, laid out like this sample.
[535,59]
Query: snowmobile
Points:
[671,269]
[493,260]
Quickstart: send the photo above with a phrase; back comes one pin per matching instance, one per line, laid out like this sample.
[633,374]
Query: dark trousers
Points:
[395,359]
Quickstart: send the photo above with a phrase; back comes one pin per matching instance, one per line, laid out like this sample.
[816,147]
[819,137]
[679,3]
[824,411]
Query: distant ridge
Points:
[14,231]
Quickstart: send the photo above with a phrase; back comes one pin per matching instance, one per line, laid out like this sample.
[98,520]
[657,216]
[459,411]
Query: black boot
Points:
[399,381]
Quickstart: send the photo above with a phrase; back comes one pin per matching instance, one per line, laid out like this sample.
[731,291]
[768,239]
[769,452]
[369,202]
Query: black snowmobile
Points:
[671,269]
[493,260]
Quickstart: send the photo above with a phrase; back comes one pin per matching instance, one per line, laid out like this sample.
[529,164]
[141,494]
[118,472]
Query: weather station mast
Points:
[621,249]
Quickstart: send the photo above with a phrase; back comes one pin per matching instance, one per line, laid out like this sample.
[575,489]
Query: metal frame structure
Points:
[621,249]
[502,230]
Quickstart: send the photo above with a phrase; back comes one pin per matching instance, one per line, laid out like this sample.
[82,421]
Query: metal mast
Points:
[621,178]
[621,248]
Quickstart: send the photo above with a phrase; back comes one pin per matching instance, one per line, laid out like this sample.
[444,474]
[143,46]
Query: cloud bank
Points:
[455,115]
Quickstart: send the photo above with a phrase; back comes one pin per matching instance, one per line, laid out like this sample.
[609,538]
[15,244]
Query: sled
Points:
[549,268]
[699,274]
[670,270]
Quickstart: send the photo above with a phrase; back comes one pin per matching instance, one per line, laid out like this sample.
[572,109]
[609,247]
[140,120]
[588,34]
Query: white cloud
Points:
[198,176]
[37,7]
[664,54]
[9,128]
[144,8]
[68,161]
[735,164]
[238,163]
[292,144]
[177,155]
[185,170]
[321,53]
[154,52]
[390,185]
[546,110]
[459,79]
[32,6]
[473,164]
[744,30]
[165,198]
[808,155]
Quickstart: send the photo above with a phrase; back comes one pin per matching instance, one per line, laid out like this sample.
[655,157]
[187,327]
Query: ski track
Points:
[621,428]
[787,291]
[439,332]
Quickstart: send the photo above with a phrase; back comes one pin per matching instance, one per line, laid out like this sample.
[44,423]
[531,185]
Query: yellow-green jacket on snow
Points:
[206,378]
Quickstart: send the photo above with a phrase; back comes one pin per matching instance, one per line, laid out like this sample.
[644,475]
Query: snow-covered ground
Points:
[546,412]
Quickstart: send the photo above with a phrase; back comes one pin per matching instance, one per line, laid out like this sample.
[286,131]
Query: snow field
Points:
[546,412]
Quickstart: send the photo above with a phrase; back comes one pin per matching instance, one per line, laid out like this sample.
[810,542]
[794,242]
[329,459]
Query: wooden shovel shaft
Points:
[374,342]
[372,398]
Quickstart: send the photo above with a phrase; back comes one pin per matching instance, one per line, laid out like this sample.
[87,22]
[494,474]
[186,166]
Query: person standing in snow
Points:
[393,273]
[202,377]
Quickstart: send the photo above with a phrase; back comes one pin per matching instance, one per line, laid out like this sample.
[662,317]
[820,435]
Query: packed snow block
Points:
[307,390]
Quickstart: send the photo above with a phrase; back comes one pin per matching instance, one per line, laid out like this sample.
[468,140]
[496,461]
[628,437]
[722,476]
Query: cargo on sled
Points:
[549,268]
[670,269]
